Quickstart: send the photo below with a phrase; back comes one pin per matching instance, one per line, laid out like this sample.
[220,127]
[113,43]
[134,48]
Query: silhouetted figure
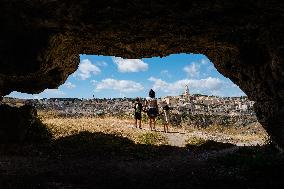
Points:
[152,109]
[166,118]
[138,112]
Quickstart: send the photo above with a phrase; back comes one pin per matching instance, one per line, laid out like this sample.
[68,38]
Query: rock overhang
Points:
[40,42]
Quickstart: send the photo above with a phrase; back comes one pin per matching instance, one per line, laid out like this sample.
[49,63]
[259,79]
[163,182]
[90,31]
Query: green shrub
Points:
[151,139]
[196,143]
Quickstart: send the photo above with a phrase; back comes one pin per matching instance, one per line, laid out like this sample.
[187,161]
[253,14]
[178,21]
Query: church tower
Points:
[186,91]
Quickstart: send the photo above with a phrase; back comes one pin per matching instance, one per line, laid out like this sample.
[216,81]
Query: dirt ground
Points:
[100,154]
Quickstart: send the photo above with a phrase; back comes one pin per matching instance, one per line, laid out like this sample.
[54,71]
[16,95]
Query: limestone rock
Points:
[40,42]
[18,124]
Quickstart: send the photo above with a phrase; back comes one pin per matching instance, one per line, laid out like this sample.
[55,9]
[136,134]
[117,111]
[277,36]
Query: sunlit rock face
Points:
[40,42]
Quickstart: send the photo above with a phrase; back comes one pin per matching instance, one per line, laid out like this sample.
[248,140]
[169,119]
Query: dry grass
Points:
[62,127]
[195,141]
[252,134]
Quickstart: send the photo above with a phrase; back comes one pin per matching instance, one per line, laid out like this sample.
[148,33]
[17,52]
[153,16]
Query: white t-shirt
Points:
[151,102]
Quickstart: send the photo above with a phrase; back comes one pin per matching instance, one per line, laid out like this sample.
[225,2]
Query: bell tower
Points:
[186,91]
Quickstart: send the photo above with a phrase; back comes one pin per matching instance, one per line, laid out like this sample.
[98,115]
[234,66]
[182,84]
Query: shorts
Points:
[152,112]
[138,116]
[166,120]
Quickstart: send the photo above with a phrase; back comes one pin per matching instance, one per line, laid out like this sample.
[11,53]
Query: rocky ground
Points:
[111,153]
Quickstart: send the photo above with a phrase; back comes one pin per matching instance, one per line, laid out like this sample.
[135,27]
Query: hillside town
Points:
[195,104]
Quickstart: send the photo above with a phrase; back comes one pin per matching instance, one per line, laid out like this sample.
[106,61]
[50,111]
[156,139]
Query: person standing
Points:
[152,109]
[138,112]
[166,118]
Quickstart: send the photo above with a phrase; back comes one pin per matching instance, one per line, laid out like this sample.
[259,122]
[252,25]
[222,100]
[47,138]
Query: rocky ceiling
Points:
[40,42]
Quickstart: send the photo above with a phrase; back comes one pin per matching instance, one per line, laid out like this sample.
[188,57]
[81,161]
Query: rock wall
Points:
[21,125]
[40,42]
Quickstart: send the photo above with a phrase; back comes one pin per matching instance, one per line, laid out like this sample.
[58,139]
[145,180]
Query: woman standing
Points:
[138,112]
[152,112]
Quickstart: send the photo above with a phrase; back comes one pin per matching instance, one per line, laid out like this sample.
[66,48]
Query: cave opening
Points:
[40,46]
[200,98]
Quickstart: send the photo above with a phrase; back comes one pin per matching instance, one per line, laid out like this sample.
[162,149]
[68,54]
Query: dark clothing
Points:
[152,106]
[166,107]
[138,110]
[152,112]
[138,116]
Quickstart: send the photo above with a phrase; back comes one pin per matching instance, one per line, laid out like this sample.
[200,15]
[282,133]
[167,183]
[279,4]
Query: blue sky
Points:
[110,77]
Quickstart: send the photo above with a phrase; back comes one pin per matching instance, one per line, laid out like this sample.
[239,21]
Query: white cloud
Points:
[47,93]
[20,95]
[204,61]
[234,86]
[86,69]
[159,84]
[52,93]
[36,97]
[209,85]
[125,86]
[166,73]
[130,65]
[94,82]
[69,85]
[102,63]
[202,65]
[192,70]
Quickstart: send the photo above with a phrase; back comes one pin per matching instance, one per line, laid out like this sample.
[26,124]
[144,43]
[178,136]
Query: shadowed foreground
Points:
[97,160]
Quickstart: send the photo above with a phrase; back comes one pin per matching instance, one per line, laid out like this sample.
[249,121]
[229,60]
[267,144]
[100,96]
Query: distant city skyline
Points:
[115,77]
